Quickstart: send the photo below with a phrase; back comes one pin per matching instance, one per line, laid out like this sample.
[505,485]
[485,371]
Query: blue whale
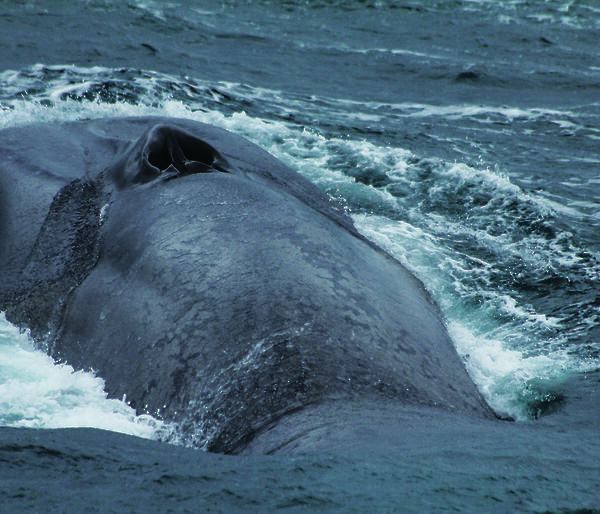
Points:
[211,285]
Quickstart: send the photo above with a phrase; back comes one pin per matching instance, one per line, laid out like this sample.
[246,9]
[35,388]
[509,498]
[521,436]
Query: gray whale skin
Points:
[211,285]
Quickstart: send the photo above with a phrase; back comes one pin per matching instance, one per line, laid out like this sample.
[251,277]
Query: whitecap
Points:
[35,392]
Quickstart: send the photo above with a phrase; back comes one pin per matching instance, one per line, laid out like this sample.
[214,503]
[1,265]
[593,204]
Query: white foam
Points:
[510,305]
[492,350]
[393,51]
[37,393]
[310,153]
[77,80]
[502,373]
[479,112]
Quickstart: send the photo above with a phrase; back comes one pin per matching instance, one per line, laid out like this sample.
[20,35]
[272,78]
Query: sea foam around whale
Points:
[510,349]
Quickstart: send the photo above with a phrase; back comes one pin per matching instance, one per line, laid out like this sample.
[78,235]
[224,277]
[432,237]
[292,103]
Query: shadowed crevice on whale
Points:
[165,152]
[229,300]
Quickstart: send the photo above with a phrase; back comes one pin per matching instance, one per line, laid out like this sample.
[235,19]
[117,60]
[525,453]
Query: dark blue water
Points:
[462,136]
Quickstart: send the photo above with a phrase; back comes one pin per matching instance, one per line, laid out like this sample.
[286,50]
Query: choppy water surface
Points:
[461,136]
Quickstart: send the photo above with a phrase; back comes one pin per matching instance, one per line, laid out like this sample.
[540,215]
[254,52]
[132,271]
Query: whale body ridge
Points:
[212,285]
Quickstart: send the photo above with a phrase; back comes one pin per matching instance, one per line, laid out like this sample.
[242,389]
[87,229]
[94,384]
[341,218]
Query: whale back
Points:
[209,284]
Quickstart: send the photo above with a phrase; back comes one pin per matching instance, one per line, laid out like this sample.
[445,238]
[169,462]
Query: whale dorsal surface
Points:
[210,284]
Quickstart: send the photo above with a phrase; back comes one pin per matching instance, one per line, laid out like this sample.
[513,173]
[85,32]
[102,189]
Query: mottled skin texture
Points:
[207,282]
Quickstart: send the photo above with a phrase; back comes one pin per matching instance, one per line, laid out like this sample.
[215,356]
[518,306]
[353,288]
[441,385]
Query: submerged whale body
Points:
[209,284]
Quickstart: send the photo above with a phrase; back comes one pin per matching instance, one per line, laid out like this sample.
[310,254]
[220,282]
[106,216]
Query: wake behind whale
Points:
[212,285]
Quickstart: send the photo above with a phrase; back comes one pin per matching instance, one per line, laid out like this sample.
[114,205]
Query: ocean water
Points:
[461,136]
